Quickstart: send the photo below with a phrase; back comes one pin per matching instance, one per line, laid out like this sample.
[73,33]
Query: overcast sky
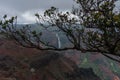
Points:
[25,9]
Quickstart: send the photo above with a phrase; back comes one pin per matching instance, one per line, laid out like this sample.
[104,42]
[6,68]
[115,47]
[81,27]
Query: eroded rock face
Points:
[61,68]
[30,64]
[82,74]
[44,60]
[7,62]
[51,66]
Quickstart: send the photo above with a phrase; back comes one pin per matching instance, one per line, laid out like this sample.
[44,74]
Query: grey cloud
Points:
[26,8]
[23,5]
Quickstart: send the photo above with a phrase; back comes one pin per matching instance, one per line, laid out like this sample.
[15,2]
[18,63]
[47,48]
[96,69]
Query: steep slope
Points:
[19,63]
[105,68]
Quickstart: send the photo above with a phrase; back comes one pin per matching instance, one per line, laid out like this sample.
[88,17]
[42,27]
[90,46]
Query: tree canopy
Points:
[91,26]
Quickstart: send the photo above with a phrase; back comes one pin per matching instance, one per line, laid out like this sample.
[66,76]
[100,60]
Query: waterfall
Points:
[58,40]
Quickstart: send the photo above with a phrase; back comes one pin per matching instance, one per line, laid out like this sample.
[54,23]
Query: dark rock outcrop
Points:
[7,62]
[61,68]
[32,64]
[44,60]
[82,74]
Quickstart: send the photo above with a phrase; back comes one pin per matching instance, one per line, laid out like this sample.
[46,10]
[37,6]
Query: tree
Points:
[92,26]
